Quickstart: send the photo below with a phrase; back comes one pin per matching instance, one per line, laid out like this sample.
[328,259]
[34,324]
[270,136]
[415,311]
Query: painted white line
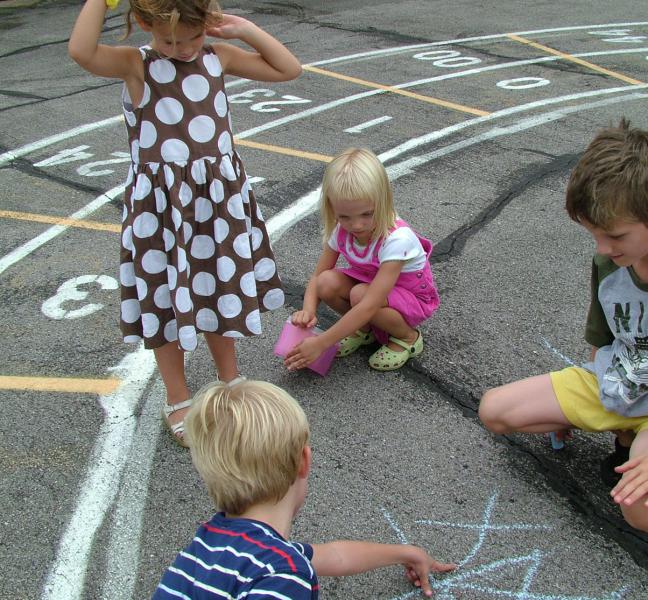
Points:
[49,234]
[367,124]
[101,482]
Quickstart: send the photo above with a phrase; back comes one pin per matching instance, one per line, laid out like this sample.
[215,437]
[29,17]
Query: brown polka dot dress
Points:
[195,253]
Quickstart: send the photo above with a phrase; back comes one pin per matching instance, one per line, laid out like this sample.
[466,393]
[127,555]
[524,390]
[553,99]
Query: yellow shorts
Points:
[578,395]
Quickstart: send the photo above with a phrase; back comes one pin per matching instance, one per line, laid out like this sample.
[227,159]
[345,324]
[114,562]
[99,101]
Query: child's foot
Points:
[620,455]
[388,359]
[351,343]
[173,416]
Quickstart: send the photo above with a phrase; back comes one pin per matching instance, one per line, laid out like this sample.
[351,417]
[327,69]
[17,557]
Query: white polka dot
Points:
[202,128]
[225,142]
[169,111]
[242,245]
[135,151]
[216,191]
[171,331]
[212,64]
[148,134]
[162,296]
[202,247]
[130,118]
[127,238]
[162,70]
[154,261]
[187,337]
[220,104]
[195,87]
[142,288]
[203,210]
[225,267]
[233,334]
[146,96]
[253,322]
[124,212]
[245,191]
[127,274]
[229,305]
[187,231]
[142,187]
[259,214]
[174,150]
[150,324]
[176,217]
[221,229]
[130,310]
[185,194]
[235,206]
[226,169]
[129,175]
[248,226]
[182,260]
[169,177]
[172,276]
[145,225]
[274,299]
[248,284]
[256,237]
[199,172]
[264,269]
[206,319]
[169,239]
[183,299]
[204,284]
[132,339]
[160,200]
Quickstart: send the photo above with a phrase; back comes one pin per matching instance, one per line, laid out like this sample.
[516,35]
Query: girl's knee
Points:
[328,284]
[637,515]
[357,293]
[490,412]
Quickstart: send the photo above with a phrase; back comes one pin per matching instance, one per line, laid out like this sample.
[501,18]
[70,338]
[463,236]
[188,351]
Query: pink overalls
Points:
[414,296]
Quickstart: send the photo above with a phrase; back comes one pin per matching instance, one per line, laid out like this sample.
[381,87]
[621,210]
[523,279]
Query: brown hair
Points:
[610,181]
[246,440]
[188,12]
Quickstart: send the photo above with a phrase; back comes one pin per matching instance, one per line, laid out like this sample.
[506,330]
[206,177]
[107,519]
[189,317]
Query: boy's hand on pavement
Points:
[634,483]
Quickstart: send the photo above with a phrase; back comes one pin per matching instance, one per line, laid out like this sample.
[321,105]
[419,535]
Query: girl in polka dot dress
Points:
[195,254]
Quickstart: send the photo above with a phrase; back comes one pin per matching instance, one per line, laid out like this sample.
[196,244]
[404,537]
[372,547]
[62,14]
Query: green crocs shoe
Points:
[386,359]
[351,343]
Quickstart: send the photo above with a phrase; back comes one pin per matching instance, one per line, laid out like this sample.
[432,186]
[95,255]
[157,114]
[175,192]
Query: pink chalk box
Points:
[291,335]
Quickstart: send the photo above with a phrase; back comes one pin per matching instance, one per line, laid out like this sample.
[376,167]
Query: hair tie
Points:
[112,4]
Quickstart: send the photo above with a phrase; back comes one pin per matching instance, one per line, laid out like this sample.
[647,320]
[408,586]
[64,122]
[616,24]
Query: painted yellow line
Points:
[59,384]
[284,150]
[22,216]
[393,90]
[574,59]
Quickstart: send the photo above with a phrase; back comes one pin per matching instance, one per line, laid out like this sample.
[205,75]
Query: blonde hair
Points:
[357,174]
[189,12]
[610,181]
[246,441]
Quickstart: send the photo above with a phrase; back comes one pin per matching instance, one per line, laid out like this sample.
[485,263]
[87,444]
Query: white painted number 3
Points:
[70,292]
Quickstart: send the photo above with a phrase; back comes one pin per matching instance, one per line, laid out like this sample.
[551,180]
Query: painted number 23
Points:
[250,96]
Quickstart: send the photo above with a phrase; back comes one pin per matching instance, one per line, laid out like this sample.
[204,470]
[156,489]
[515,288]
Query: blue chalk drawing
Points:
[485,578]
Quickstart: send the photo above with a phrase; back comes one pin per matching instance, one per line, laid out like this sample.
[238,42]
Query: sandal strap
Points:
[401,343]
[169,409]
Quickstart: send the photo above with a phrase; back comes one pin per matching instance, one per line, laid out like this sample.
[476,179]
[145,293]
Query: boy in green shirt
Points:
[608,195]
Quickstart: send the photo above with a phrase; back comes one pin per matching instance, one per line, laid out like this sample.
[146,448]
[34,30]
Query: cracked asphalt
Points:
[96,497]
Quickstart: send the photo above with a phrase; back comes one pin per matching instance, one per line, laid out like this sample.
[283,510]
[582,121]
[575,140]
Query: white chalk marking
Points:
[394,526]
[547,345]
[98,490]
[49,234]
[367,124]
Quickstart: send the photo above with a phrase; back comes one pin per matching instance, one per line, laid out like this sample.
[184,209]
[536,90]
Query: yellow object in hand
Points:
[112,4]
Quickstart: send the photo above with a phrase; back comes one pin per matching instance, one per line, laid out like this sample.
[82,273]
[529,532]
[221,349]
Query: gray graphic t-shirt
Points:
[617,324]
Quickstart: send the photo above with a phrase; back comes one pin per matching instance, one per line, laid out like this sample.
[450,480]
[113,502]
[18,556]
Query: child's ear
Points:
[305,464]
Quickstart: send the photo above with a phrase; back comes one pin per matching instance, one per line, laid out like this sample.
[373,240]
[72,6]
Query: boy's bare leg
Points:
[224,354]
[528,405]
[631,493]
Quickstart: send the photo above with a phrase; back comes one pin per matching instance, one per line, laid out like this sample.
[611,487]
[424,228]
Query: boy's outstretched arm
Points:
[350,557]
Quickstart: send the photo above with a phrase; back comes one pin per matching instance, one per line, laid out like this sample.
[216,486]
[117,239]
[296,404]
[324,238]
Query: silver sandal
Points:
[177,429]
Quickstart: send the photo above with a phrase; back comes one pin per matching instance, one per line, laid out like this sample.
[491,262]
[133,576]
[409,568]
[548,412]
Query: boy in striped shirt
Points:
[249,442]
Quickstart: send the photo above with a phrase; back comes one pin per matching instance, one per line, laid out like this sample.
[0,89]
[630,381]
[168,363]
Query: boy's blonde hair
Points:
[246,441]
[189,12]
[357,174]
[610,181]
